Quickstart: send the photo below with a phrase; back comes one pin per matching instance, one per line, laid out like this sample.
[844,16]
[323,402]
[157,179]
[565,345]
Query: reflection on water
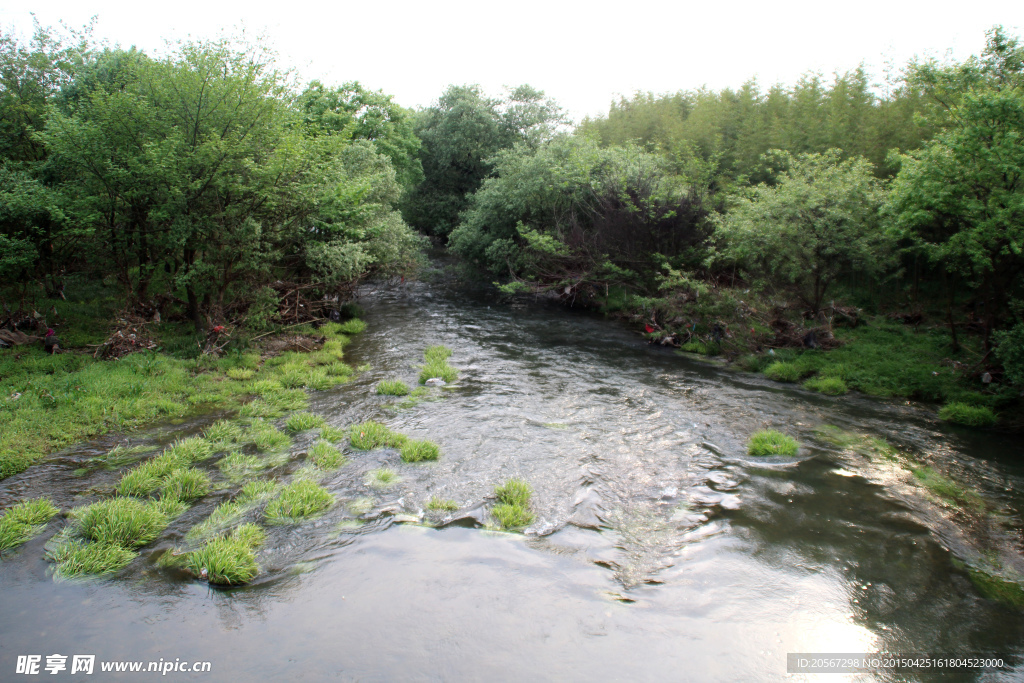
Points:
[660,550]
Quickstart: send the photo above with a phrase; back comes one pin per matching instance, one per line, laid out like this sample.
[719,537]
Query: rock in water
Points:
[435,382]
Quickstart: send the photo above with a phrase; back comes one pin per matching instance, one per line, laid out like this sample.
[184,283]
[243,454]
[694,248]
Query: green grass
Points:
[947,489]
[239,466]
[25,520]
[393,387]
[326,456]
[186,484]
[514,492]
[972,416]
[436,358]
[224,434]
[702,348]
[353,326]
[369,435]
[124,522]
[299,500]
[442,505]
[241,374]
[785,372]
[75,558]
[868,446]
[255,491]
[300,422]
[266,437]
[511,516]
[833,386]
[228,561]
[147,477]
[382,477]
[415,451]
[190,450]
[332,434]
[436,353]
[513,508]
[771,442]
[418,395]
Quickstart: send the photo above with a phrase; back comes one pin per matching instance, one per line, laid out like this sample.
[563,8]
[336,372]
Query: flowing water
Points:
[660,551]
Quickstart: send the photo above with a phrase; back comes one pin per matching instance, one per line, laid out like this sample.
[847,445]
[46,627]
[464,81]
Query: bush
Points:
[972,416]
[770,442]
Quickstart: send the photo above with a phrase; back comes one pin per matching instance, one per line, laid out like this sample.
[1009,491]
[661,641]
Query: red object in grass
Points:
[648,328]
[219,328]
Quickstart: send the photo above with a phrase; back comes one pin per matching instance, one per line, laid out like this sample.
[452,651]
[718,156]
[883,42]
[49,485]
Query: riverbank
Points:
[49,402]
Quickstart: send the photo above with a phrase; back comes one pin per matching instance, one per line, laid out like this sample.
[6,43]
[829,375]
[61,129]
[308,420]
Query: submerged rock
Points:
[435,382]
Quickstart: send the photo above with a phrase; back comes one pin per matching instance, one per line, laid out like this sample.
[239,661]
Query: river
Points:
[661,551]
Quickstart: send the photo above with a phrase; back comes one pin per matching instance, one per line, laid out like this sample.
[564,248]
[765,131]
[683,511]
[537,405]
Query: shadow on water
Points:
[659,547]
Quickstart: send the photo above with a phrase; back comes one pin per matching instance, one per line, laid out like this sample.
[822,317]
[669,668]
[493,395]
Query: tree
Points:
[961,197]
[820,219]
[460,135]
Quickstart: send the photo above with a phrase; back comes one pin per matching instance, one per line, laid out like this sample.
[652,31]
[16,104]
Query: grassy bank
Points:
[48,402]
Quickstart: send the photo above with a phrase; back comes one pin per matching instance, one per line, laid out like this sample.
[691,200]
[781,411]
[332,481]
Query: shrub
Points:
[392,387]
[972,416]
[770,442]
[415,451]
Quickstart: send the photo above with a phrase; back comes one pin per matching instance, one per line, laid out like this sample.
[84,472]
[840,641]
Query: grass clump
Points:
[24,520]
[368,435]
[513,508]
[393,387]
[771,442]
[124,522]
[266,437]
[241,374]
[781,371]
[964,414]
[415,451]
[228,561]
[332,434]
[192,449]
[326,456]
[146,478]
[224,434]
[442,505]
[833,386]
[300,422]
[255,491]
[237,466]
[436,353]
[75,557]
[299,500]
[382,477]
[186,484]
[353,326]
[436,358]
[868,446]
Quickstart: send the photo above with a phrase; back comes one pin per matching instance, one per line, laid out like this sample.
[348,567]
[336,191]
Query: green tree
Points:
[961,197]
[819,220]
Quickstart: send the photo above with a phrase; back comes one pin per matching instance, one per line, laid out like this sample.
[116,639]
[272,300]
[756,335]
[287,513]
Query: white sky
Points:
[581,53]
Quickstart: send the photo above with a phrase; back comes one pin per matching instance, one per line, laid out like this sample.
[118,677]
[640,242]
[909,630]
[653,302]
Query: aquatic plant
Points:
[442,505]
[326,456]
[147,477]
[190,450]
[771,442]
[300,422]
[436,353]
[297,501]
[436,358]
[514,492]
[124,522]
[256,490]
[415,451]
[332,434]
[972,416]
[353,326]
[368,435]
[382,477]
[267,437]
[186,484]
[237,466]
[169,507]
[947,489]
[392,387]
[227,561]
[24,520]
[511,516]
[223,434]
[74,558]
